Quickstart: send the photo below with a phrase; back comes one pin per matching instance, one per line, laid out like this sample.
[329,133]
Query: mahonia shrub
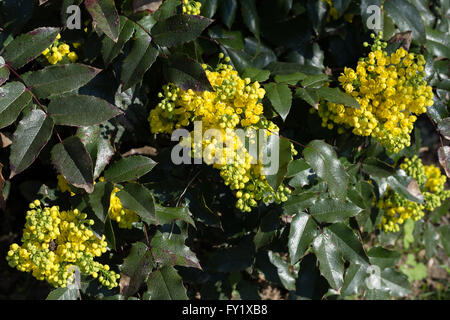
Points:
[138,141]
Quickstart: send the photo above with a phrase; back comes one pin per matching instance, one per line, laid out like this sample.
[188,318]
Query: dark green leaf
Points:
[406,17]
[337,96]
[349,243]
[100,199]
[444,128]
[331,264]
[105,16]
[354,279]
[58,79]
[322,158]
[333,210]
[396,282]
[209,7]
[377,168]
[110,48]
[187,73]
[314,80]
[233,39]
[167,215]
[31,135]
[250,16]
[179,29]
[286,276]
[302,231]
[130,168]
[14,97]
[276,164]
[139,199]
[431,238]
[81,110]
[74,163]
[383,258]
[135,268]
[228,10]
[307,94]
[280,97]
[63,294]
[292,78]
[256,74]
[165,284]
[27,47]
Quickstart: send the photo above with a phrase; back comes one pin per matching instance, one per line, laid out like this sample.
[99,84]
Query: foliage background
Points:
[246,256]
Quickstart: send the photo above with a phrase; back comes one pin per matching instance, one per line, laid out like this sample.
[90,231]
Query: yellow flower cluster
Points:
[191,7]
[124,217]
[391,91]
[58,50]
[234,103]
[397,209]
[55,243]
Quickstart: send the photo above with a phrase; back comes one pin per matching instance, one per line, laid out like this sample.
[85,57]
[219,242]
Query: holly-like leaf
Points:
[127,169]
[444,158]
[395,282]
[166,215]
[63,294]
[302,231]
[276,164]
[105,16]
[349,243]
[27,47]
[179,29]
[81,110]
[255,74]
[187,73]
[331,264]
[110,48]
[250,16]
[280,97]
[31,135]
[286,276]
[100,199]
[383,258]
[135,268]
[354,279]
[138,61]
[322,158]
[227,10]
[4,71]
[444,128]
[307,94]
[171,250]
[406,17]
[314,81]
[74,163]
[165,284]
[139,199]
[14,98]
[337,96]
[59,79]
[333,210]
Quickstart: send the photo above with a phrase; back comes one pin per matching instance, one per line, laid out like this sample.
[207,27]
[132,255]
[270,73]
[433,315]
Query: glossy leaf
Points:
[337,96]
[14,98]
[349,243]
[128,169]
[165,284]
[105,16]
[406,17]
[280,97]
[286,277]
[302,231]
[333,210]
[111,48]
[139,199]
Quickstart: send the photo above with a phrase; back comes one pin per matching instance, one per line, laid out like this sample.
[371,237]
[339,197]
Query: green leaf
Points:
[227,11]
[187,73]
[127,169]
[291,78]
[99,200]
[406,17]
[179,29]
[377,168]
[444,233]
[166,215]
[165,284]
[72,160]
[110,48]
[286,276]
[105,16]
[431,238]
[322,158]
[444,158]
[63,294]
[302,231]
[98,147]
[395,282]
[337,96]
[256,74]
[139,199]
[354,279]
[300,202]
[280,97]
[81,110]
[233,39]
[171,250]
[4,71]
[27,47]
[333,210]
[349,243]
[250,16]
[438,43]
[59,79]
[135,268]
[314,80]
[275,165]
[405,186]
[383,258]
[209,7]
[331,264]
[138,61]
[307,94]
[297,166]
[31,135]
[14,97]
